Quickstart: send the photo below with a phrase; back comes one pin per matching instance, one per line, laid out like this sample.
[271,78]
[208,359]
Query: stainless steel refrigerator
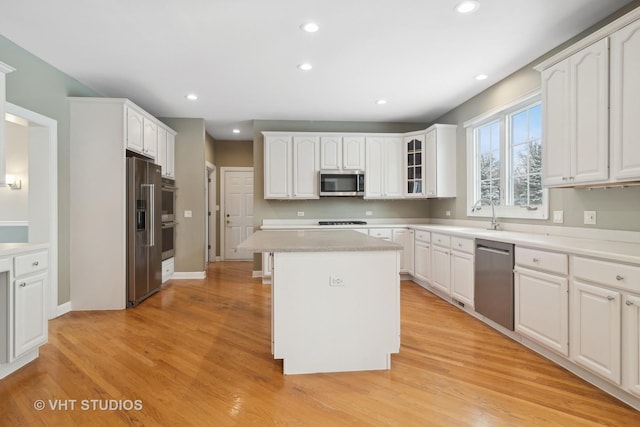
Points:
[144,221]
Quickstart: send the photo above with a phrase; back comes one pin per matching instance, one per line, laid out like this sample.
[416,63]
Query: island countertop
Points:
[315,241]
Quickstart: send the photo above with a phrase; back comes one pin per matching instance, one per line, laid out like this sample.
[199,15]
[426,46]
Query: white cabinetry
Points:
[462,263]
[440,161]
[541,298]
[422,255]
[597,291]
[135,130]
[405,237]
[631,343]
[575,95]
[141,134]
[384,165]
[625,103]
[342,153]
[102,129]
[150,137]
[414,146]
[30,322]
[165,156]
[291,166]
[441,262]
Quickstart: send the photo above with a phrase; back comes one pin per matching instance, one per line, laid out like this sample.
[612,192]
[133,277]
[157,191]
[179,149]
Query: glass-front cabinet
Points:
[415,165]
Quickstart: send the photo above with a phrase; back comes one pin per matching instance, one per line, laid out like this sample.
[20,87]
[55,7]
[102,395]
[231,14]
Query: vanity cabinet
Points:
[542,298]
[30,320]
[342,153]
[385,166]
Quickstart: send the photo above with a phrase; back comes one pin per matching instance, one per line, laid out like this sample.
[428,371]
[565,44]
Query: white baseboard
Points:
[179,275]
[62,309]
[256,273]
[218,258]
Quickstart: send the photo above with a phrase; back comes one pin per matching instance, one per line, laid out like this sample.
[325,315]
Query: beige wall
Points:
[15,203]
[617,209]
[191,183]
[209,154]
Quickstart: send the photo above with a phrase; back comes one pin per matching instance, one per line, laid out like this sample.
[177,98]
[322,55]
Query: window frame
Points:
[500,114]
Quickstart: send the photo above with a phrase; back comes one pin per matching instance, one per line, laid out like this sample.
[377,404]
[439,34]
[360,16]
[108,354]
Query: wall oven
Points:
[168,218]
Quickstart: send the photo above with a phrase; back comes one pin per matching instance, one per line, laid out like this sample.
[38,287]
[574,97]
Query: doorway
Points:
[211,213]
[236,220]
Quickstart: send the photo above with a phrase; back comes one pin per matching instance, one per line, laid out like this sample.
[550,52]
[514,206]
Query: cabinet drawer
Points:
[542,260]
[423,236]
[381,233]
[608,273]
[30,263]
[441,239]
[462,245]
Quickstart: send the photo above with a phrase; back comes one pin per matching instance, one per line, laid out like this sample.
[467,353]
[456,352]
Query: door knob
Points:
[228,222]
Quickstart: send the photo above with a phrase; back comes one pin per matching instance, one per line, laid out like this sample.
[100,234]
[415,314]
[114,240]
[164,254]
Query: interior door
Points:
[238,213]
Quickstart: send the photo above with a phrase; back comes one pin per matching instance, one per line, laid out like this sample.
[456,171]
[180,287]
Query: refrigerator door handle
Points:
[151,238]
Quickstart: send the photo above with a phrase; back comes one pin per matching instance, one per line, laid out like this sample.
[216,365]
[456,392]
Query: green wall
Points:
[39,87]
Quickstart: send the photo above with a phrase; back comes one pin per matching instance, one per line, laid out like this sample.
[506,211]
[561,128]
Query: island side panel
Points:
[336,311]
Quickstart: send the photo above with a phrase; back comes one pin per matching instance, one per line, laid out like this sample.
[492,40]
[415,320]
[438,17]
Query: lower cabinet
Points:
[422,255]
[631,344]
[596,329]
[405,238]
[542,308]
[30,320]
[462,266]
[168,268]
[441,273]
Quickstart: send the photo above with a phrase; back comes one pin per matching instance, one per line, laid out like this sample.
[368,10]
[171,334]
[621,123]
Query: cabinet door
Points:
[441,268]
[404,238]
[462,277]
[422,260]
[542,308]
[171,159]
[373,180]
[556,147]
[306,165]
[353,153]
[277,167]
[431,164]
[150,137]
[631,344]
[161,155]
[595,329]
[393,167]
[30,320]
[625,103]
[589,106]
[415,172]
[330,152]
[134,130]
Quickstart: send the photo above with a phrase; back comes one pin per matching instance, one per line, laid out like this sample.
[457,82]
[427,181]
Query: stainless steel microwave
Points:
[341,183]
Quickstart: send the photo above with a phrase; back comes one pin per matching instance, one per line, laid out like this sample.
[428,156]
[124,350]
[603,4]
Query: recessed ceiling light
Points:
[305,66]
[481,77]
[191,97]
[310,27]
[236,131]
[381,101]
[467,6]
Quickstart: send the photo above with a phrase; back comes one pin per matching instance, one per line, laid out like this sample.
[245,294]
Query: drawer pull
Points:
[459,245]
[619,277]
[629,303]
[610,298]
[35,263]
[23,284]
[536,260]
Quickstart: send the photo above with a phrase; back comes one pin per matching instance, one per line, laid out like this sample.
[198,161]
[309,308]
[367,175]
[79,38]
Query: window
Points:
[504,153]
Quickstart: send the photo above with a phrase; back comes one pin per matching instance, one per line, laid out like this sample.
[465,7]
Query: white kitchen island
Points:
[335,299]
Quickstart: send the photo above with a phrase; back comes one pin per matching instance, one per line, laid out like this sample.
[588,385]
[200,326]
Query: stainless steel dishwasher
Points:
[494,281]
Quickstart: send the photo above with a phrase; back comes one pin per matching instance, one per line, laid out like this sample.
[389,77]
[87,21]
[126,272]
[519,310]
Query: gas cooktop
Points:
[342,222]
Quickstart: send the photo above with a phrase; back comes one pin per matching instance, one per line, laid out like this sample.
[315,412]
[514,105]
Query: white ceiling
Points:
[241,56]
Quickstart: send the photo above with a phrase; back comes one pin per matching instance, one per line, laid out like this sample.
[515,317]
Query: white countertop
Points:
[599,248]
[7,249]
[315,241]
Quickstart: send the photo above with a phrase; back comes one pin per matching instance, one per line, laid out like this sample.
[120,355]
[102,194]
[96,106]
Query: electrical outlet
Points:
[335,281]
[368,213]
[589,217]
[558,217]
[300,213]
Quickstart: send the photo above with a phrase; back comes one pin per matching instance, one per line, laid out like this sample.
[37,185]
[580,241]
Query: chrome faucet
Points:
[478,206]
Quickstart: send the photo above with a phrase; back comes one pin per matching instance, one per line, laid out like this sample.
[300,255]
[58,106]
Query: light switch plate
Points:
[558,217]
[589,217]
[188,214]
[300,213]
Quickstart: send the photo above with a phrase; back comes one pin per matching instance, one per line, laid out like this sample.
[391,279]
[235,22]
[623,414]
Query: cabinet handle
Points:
[629,303]
[35,263]
[459,245]
[536,260]
[564,178]
[610,298]
[23,284]
[619,277]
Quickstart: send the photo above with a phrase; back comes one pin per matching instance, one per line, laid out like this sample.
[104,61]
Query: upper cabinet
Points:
[166,148]
[384,167]
[291,166]
[440,161]
[4,69]
[590,108]
[414,146]
[575,95]
[342,153]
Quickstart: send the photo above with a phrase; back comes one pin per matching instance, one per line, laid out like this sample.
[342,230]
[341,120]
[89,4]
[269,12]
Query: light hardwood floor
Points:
[198,353]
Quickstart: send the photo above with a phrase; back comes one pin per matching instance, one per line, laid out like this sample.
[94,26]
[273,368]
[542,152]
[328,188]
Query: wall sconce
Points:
[13,182]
